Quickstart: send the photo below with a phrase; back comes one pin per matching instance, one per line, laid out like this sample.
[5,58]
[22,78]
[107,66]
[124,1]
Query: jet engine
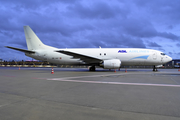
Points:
[111,64]
[158,66]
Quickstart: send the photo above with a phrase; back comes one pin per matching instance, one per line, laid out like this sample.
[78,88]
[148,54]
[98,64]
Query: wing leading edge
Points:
[84,58]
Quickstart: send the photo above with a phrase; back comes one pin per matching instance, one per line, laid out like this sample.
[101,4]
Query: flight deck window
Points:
[163,54]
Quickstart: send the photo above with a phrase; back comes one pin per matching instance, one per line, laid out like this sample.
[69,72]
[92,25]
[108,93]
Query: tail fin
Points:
[33,42]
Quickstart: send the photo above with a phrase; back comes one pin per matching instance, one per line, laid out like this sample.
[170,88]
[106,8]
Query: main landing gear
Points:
[92,68]
[155,68]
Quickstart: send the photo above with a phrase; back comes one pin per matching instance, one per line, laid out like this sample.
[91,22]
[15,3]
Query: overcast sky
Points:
[153,24]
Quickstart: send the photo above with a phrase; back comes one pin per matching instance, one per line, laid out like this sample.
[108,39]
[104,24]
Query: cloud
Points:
[99,10]
[168,35]
[170,27]
[139,28]
[81,23]
[29,4]
[153,44]
[110,40]
[170,53]
[178,45]
[161,11]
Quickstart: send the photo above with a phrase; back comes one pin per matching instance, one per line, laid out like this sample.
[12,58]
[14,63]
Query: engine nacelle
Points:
[158,66]
[111,64]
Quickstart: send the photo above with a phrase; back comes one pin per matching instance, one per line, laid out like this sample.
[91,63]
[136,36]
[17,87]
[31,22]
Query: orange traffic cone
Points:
[179,69]
[125,70]
[19,68]
[52,72]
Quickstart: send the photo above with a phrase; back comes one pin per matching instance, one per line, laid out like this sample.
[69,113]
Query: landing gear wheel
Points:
[92,68]
[155,68]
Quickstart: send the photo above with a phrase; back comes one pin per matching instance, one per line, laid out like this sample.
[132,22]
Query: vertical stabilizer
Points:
[33,42]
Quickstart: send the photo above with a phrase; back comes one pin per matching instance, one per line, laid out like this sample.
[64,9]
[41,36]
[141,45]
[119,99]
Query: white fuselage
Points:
[127,56]
[107,58]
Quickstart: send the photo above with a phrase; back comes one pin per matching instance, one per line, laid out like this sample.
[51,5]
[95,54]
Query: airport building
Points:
[175,63]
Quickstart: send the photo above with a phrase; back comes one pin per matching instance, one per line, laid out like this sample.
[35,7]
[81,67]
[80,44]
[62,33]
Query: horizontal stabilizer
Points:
[22,50]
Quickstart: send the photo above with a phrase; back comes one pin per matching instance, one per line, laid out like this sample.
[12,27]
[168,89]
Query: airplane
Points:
[107,58]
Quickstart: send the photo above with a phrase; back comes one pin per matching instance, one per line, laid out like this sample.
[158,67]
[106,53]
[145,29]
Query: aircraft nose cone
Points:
[169,59]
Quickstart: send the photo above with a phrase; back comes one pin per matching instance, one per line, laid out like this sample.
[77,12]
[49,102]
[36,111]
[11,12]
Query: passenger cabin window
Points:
[163,54]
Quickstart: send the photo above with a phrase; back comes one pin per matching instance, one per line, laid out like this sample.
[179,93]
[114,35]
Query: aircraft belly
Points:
[72,62]
[134,62]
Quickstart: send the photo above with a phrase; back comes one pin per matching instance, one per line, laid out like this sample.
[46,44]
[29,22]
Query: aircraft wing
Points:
[85,58]
[22,50]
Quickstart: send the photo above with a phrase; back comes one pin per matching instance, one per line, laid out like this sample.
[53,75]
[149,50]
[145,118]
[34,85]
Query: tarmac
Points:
[77,94]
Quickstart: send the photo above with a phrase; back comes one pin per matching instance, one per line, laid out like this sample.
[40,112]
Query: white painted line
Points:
[116,83]
[174,81]
[105,75]
[91,76]
[4,105]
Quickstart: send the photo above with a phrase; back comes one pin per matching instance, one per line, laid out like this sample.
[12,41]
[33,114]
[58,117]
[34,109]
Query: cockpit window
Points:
[163,54]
